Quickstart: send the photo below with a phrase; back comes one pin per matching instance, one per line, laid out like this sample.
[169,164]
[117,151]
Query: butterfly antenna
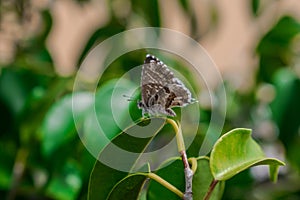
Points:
[129,98]
[194,100]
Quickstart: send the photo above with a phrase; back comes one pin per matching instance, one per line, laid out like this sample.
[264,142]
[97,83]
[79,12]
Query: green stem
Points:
[165,184]
[188,173]
[179,137]
[193,162]
[210,189]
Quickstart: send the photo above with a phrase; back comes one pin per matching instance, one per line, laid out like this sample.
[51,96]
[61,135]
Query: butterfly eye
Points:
[140,105]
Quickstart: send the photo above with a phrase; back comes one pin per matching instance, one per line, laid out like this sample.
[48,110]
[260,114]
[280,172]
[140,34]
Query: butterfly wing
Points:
[154,80]
[179,96]
[161,88]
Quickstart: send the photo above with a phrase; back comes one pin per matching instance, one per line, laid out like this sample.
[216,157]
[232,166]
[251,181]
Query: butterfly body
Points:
[161,90]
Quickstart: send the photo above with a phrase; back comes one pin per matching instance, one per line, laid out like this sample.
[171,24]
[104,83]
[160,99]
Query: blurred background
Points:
[254,43]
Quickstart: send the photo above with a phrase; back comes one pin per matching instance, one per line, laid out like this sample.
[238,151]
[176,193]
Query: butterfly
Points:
[161,90]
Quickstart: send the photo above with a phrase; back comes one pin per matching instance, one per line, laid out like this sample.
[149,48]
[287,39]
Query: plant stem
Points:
[179,137]
[165,184]
[210,189]
[194,164]
[18,171]
[188,173]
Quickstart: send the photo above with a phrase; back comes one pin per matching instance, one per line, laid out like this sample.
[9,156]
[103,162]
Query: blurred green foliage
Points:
[41,154]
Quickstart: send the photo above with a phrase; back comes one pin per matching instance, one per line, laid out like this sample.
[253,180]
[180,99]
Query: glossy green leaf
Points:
[236,151]
[102,181]
[120,156]
[173,172]
[59,125]
[128,188]
[202,180]
[111,115]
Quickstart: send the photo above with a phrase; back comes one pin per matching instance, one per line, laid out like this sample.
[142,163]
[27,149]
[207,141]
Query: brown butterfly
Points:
[161,90]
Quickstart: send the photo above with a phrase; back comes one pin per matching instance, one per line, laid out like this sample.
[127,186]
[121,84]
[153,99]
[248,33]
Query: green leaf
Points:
[111,115]
[286,107]
[8,152]
[255,6]
[112,107]
[185,5]
[173,172]
[151,16]
[202,180]
[285,112]
[275,48]
[59,126]
[13,90]
[67,184]
[121,154]
[279,37]
[236,151]
[102,181]
[128,188]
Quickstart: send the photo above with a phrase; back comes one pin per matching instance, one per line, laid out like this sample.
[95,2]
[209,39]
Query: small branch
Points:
[165,184]
[193,163]
[210,189]
[188,173]
[179,138]
[18,171]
